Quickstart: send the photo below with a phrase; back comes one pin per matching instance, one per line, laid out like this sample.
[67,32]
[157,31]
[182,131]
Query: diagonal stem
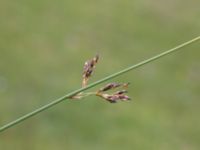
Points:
[51,104]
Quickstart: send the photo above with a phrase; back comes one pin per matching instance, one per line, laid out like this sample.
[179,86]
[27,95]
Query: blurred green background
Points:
[43,45]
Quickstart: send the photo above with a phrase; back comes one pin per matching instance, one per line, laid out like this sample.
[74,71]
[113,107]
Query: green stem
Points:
[45,107]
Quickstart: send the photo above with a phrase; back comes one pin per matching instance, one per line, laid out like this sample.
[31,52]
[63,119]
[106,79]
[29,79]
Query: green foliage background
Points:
[43,45]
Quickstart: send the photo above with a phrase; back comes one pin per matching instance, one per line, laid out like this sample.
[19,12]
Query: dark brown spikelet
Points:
[109,87]
[88,69]
[121,92]
[113,98]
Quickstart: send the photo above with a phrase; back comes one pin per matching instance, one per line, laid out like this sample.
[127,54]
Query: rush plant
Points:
[88,70]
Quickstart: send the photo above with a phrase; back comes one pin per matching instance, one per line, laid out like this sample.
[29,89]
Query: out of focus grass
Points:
[43,45]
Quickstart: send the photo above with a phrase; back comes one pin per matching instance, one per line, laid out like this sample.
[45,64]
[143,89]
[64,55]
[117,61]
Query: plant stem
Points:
[45,107]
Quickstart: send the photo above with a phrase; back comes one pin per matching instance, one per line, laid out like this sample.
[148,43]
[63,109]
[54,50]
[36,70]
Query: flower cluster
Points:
[114,97]
[88,70]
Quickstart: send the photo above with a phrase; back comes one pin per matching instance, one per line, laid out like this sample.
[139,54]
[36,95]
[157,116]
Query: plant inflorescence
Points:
[88,70]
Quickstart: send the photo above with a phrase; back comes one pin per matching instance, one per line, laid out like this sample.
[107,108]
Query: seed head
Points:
[88,69]
[113,98]
[119,95]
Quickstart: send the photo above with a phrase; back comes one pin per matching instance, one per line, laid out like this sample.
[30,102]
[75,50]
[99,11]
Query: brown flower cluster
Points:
[114,97]
[88,69]
[119,95]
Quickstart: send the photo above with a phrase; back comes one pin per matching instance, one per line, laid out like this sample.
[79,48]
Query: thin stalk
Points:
[51,104]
